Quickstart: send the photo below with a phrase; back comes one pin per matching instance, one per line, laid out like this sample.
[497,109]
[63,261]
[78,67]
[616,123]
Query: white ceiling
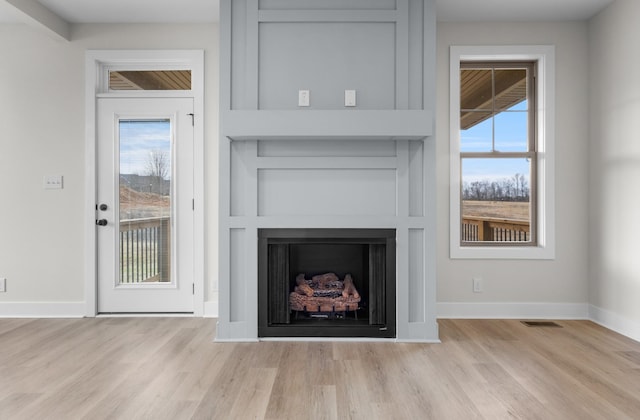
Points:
[135,11]
[8,14]
[161,11]
[518,10]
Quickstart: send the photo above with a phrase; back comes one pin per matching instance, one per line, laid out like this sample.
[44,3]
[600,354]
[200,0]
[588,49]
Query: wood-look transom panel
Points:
[150,80]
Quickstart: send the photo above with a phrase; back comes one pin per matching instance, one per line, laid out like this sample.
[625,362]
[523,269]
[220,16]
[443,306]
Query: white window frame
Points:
[544,55]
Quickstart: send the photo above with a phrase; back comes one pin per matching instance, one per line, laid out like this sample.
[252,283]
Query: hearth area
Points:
[326,283]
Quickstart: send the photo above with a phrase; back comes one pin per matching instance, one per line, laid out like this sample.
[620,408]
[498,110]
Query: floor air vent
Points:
[541,324]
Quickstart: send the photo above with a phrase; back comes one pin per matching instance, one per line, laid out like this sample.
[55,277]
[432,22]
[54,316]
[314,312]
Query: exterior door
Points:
[144,209]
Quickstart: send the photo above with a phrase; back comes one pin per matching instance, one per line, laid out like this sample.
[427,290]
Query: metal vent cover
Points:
[550,324]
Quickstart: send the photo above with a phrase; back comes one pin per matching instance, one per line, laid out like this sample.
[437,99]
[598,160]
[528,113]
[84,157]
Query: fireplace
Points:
[327,196]
[326,283]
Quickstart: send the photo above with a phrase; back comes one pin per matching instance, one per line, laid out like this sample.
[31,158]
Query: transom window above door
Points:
[150,80]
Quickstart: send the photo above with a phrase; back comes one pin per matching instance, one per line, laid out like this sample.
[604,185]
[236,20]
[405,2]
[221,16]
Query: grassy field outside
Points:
[140,205]
[510,210]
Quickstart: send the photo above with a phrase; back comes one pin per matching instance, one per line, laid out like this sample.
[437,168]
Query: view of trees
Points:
[515,188]
[157,164]
[157,168]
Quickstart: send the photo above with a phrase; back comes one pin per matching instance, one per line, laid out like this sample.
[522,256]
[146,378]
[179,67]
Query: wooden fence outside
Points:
[145,250]
[487,229]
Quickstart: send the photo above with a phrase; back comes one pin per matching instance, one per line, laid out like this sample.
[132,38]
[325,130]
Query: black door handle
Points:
[101,222]
[103,207]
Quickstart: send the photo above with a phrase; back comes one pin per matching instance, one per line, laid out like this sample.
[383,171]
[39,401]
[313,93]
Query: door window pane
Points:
[145,201]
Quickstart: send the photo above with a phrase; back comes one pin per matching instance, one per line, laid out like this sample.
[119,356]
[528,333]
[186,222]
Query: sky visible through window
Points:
[139,139]
[509,131]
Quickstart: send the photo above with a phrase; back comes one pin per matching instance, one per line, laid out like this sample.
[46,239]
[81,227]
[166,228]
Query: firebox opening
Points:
[326,283]
[337,275]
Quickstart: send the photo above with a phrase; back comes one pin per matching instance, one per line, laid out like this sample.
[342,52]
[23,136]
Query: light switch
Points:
[349,98]
[52,182]
[303,98]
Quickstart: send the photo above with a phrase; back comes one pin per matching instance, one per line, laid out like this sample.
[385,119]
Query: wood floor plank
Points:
[354,395]
[461,365]
[433,381]
[225,384]
[10,324]
[14,402]
[253,398]
[324,403]
[291,395]
[517,400]
[170,368]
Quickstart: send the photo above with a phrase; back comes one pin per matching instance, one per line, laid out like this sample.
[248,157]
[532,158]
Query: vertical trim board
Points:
[402,55]
[402,176]
[252,55]
[416,179]
[237,275]
[416,277]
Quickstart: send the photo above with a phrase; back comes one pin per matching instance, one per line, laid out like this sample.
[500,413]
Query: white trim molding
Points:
[211,308]
[97,65]
[615,322]
[42,309]
[544,55]
[512,310]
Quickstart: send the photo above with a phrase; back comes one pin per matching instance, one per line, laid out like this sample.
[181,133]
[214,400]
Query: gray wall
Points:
[552,287]
[614,224]
[373,47]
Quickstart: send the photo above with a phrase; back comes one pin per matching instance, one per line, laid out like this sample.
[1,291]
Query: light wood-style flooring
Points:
[169,368]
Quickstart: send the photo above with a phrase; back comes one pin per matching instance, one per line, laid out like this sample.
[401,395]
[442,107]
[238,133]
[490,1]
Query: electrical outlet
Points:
[477,285]
[3,285]
[303,98]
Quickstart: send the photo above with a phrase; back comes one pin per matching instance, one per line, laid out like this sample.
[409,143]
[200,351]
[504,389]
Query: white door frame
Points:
[97,65]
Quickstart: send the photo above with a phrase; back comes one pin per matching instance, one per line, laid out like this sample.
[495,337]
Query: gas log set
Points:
[324,294]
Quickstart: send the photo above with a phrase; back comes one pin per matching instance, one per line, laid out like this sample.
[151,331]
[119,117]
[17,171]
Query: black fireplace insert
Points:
[326,283]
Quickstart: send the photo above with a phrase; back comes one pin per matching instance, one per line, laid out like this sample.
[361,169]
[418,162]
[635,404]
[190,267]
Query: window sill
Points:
[503,252]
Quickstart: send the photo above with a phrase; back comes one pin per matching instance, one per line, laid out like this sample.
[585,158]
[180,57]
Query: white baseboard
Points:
[42,309]
[461,310]
[615,322]
[454,310]
[211,309]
